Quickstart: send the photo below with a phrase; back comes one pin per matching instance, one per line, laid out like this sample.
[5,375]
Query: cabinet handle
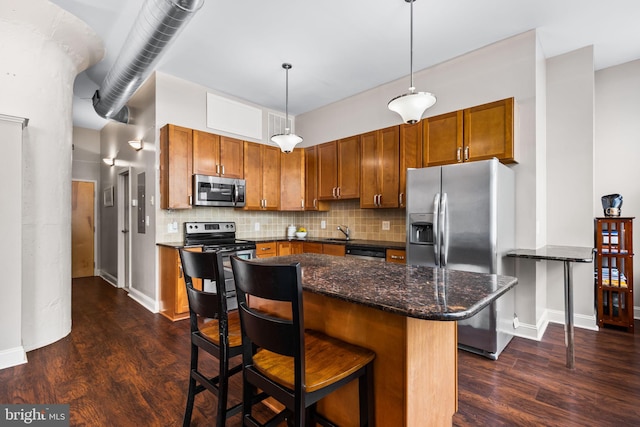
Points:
[302,203]
[458,154]
[338,191]
[266,249]
[190,200]
[179,271]
[314,202]
[400,196]
[379,199]
[222,169]
[397,257]
[466,153]
[375,200]
[217,169]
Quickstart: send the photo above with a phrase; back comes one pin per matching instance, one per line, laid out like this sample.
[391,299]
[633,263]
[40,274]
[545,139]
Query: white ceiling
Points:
[342,47]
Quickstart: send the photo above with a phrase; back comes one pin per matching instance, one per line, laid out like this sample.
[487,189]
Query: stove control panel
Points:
[209,227]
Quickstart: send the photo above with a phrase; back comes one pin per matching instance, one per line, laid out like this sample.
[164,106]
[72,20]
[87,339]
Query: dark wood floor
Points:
[124,366]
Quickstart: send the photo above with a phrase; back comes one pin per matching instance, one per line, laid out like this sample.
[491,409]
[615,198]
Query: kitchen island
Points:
[407,315]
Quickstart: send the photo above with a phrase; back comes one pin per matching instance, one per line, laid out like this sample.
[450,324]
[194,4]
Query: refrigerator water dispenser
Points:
[421,229]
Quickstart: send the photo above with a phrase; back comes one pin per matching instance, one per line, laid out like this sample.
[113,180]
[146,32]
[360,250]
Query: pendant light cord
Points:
[286,99]
[412,88]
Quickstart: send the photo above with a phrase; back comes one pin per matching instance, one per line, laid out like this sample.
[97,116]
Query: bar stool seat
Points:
[327,361]
[211,330]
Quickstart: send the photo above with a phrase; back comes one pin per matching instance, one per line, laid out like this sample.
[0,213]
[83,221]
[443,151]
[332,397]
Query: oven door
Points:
[210,285]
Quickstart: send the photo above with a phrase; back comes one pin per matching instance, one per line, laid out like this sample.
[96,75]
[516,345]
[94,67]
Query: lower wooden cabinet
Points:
[397,256]
[266,249]
[174,304]
[323,248]
[290,248]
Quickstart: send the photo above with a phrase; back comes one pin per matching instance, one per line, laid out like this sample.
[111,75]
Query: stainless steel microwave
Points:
[218,191]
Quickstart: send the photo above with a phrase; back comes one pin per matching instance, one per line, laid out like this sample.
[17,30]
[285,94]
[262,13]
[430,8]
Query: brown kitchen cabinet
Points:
[292,180]
[217,155]
[311,202]
[266,249]
[262,176]
[614,271]
[397,256]
[380,168]
[339,169]
[290,248]
[410,156]
[176,167]
[477,133]
[174,304]
[331,249]
[311,248]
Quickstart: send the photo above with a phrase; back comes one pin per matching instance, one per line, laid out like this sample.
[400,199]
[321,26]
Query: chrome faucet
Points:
[345,230]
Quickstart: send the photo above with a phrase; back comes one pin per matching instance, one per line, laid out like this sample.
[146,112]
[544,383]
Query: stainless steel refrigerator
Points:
[462,217]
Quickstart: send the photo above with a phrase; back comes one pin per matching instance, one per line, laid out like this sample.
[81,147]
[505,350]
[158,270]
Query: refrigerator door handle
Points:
[444,229]
[436,226]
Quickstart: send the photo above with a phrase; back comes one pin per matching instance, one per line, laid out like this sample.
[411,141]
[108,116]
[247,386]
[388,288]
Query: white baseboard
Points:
[112,280]
[533,332]
[148,303]
[579,320]
[636,313]
[12,357]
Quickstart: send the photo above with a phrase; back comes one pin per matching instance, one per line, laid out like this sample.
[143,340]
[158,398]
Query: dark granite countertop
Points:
[360,242]
[419,292]
[555,253]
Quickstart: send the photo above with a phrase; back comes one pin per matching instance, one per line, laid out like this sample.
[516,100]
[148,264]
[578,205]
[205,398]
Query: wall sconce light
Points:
[109,161]
[136,144]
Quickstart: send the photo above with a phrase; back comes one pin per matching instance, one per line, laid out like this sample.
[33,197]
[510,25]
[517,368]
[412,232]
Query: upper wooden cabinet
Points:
[475,133]
[410,156]
[311,202]
[176,167]
[488,131]
[442,139]
[292,180]
[262,175]
[339,169]
[217,155]
[380,164]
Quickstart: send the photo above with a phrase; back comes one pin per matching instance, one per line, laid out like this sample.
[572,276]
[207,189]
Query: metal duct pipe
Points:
[157,24]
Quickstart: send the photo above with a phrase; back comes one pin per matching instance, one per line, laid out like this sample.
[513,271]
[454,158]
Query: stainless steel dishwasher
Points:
[366,252]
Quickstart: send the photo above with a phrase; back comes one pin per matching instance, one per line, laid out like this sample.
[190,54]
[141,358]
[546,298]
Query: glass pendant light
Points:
[412,105]
[287,140]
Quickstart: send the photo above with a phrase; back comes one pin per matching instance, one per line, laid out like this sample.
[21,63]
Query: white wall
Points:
[34,33]
[570,177]
[11,350]
[86,155]
[617,151]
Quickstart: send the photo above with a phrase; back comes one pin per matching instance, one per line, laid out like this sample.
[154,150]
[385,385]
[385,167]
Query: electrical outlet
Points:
[516,322]
[386,225]
[256,226]
[172,227]
[323,224]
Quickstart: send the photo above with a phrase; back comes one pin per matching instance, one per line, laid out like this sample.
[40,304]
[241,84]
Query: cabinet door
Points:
[369,170]
[311,248]
[292,179]
[206,147]
[442,139]
[349,168]
[410,156]
[397,256]
[284,248]
[271,177]
[253,176]
[311,201]
[388,168]
[336,250]
[176,167]
[231,157]
[327,170]
[488,131]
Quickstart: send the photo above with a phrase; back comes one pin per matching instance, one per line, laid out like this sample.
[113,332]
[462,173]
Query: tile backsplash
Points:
[363,223]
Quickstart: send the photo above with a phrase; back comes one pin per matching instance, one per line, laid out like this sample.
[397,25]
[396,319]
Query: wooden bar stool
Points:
[214,329]
[294,366]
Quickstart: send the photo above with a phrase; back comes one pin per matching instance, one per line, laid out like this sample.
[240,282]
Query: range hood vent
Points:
[157,25]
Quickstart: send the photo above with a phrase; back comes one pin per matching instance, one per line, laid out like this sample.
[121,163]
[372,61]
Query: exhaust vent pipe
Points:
[157,25]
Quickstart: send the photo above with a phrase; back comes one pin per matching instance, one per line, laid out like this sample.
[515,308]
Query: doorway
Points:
[124,225]
[82,229]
